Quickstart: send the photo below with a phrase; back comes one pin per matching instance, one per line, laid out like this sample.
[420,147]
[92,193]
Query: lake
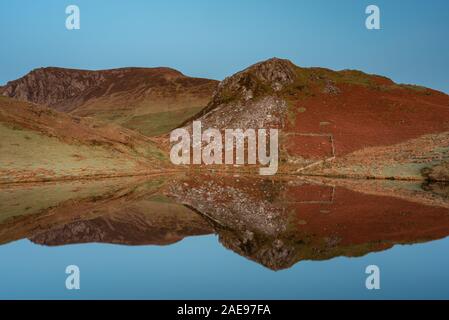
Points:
[215,236]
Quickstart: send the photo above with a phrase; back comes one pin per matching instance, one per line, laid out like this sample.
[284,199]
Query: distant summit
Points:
[132,97]
[58,87]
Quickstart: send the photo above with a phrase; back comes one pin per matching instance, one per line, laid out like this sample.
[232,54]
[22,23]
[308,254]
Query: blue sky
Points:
[214,39]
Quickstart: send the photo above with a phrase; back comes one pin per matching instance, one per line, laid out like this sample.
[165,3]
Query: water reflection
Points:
[124,211]
[275,222]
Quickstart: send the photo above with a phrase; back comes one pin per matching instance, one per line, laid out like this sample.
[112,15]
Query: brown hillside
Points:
[150,100]
[325,115]
[38,143]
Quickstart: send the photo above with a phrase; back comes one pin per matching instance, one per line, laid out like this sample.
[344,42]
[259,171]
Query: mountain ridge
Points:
[136,98]
[342,123]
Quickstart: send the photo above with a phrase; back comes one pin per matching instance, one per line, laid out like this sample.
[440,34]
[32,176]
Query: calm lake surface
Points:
[224,237]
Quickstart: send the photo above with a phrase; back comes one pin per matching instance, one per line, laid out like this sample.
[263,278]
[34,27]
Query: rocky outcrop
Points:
[250,98]
[53,86]
[261,78]
[439,172]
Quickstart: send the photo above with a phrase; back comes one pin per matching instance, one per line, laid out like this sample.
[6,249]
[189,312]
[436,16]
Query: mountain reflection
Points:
[275,222]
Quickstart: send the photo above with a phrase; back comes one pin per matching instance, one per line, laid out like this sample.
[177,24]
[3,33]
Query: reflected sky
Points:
[199,268]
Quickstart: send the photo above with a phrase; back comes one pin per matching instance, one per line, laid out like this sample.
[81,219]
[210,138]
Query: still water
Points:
[224,237]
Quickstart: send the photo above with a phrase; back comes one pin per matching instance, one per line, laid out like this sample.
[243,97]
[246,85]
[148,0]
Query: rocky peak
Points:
[264,77]
[250,98]
[274,72]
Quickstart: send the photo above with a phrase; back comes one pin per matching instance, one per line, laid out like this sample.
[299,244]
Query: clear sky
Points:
[214,39]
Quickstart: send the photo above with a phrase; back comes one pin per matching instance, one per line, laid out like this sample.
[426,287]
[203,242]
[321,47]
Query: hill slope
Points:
[150,100]
[326,115]
[37,143]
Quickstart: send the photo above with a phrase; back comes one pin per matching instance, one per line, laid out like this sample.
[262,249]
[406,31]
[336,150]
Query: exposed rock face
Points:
[439,172]
[274,74]
[51,86]
[266,112]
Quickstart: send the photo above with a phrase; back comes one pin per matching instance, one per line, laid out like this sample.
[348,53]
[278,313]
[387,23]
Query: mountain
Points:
[38,143]
[149,100]
[339,123]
